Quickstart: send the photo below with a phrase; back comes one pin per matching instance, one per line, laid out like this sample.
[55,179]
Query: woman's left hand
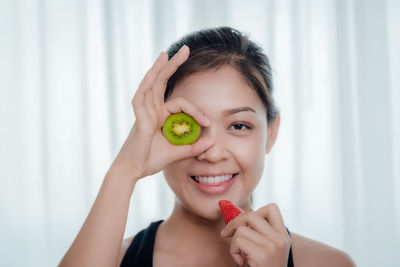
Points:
[259,238]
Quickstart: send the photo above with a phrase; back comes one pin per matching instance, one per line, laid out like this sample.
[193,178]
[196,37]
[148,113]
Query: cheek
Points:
[250,153]
[172,174]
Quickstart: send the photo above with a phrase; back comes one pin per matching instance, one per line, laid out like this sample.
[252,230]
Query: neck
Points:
[185,235]
[186,225]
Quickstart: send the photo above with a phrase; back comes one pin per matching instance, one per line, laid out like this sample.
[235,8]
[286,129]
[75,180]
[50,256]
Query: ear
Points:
[273,129]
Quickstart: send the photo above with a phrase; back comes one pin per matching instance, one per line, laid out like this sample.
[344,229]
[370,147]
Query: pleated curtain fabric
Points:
[69,70]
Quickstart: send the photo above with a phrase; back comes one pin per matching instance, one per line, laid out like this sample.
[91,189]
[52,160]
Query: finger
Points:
[140,110]
[262,243]
[153,72]
[150,108]
[179,104]
[239,245]
[239,258]
[187,151]
[253,220]
[149,78]
[272,213]
[167,71]
[252,235]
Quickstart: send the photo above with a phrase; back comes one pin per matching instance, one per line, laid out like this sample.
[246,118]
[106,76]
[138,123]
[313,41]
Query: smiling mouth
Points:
[211,180]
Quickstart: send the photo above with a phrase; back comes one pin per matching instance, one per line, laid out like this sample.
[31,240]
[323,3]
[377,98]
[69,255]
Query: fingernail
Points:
[183,47]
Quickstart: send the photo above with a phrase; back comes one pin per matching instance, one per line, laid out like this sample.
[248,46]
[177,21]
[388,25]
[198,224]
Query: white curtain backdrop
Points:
[68,72]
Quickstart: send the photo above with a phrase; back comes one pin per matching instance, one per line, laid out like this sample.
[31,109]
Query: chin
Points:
[207,212]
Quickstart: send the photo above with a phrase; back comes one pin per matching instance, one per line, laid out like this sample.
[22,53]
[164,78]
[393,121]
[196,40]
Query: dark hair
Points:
[213,48]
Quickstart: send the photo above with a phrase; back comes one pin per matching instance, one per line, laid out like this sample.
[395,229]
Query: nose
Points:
[216,152]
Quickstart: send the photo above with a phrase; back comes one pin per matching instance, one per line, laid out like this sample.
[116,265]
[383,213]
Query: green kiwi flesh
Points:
[181,129]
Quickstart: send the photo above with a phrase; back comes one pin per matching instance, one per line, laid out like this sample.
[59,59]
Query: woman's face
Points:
[239,128]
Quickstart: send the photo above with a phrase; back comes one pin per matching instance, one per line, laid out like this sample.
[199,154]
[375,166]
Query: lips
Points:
[214,184]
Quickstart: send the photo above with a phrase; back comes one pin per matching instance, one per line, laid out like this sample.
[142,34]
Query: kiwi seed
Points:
[181,129]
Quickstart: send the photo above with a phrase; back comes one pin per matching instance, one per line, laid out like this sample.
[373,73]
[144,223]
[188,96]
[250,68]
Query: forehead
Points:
[223,88]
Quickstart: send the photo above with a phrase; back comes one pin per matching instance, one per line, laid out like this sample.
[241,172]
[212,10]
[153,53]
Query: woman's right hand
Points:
[146,151]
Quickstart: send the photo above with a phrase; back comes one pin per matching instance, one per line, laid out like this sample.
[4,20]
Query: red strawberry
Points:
[229,210]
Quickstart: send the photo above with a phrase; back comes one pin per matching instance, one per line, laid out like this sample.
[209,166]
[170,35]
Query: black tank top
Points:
[140,251]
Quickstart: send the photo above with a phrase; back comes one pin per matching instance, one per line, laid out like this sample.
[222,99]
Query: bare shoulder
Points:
[309,252]
[125,244]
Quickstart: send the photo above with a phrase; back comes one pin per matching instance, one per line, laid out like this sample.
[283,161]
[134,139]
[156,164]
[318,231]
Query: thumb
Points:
[193,150]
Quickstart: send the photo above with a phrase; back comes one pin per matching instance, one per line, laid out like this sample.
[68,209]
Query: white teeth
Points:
[213,180]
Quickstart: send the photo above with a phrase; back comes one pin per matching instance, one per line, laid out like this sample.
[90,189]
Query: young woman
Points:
[223,80]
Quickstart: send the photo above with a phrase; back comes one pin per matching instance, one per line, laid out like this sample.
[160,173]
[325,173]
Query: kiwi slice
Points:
[181,129]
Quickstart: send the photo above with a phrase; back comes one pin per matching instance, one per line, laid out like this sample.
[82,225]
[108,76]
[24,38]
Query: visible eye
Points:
[240,126]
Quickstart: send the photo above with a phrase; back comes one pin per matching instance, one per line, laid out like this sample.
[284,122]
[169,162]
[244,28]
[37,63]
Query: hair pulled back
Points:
[213,48]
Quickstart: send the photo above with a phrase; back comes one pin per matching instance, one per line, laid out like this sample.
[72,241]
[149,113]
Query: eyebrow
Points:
[237,110]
